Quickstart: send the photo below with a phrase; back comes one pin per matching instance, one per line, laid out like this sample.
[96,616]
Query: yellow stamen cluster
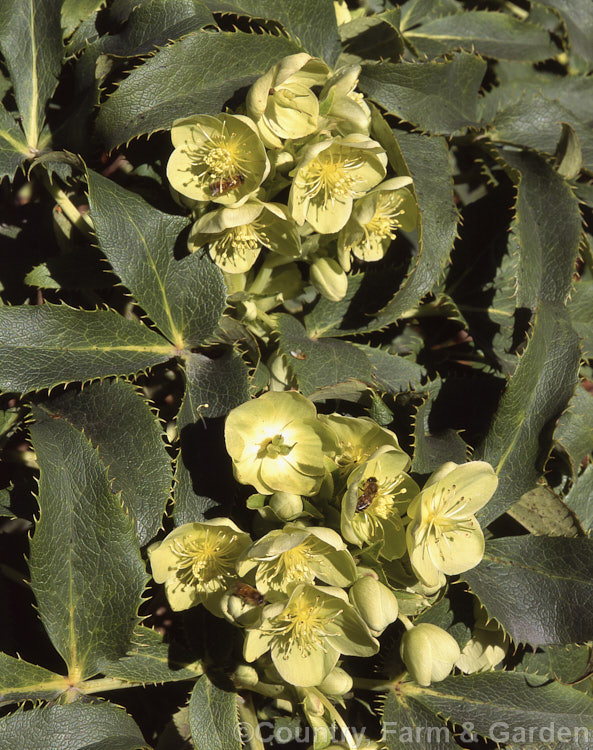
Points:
[330,175]
[301,624]
[207,562]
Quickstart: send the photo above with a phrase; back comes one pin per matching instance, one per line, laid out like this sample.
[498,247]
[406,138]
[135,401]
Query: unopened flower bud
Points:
[429,653]
[329,279]
[286,506]
[375,603]
[245,676]
[338,682]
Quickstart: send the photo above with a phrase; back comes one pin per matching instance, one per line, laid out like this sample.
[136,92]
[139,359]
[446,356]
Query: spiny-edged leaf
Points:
[213,717]
[31,43]
[42,346]
[537,393]
[569,155]
[328,318]
[13,148]
[176,735]
[552,576]
[439,98]
[578,17]
[415,12]
[567,664]
[196,74]
[434,448]
[575,427]
[537,124]
[580,498]
[500,704]
[545,231]
[427,161]
[131,449]
[184,297]
[213,387]
[409,724]
[20,680]
[86,571]
[83,269]
[322,363]
[370,38]
[580,307]
[150,659]
[311,23]
[543,513]
[391,372]
[75,11]
[76,726]
[446,617]
[496,35]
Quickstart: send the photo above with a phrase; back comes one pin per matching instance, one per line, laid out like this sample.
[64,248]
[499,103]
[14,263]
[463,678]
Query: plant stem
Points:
[248,717]
[82,222]
[335,716]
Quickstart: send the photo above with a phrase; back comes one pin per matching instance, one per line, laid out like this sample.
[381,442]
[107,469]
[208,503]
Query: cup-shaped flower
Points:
[444,536]
[341,106]
[277,443]
[375,603]
[281,101]
[328,277]
[330,175]
[428,652]
[357,438]
[307,634]
[378,492]
[375,221]
[294,555]
[219,159]
[235,236]
[196,562]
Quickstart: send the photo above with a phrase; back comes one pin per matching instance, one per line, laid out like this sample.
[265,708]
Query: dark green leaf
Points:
[20,680]
[75,11]
[440,98]
[213,717]
[502,705]
[496,35]
[552,576]
[197,74]
[86,571]
[567,664]
[580,307]
[545,232]
[150,659]
[569,155]
[213,388]
[537,393]
[322,363]
[580,498]
[184,297]
[370,38]
[44,345]
[76,726]
[31,43]
[392,373]
[131,449]
[415,12]
[575,427]
[408,724]
[13,148]
[578,17]
[83,269]
[311,23]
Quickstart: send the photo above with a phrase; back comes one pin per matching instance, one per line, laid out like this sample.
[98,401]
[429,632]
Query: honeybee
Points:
[369,491]
[298,354]
[220,187]
[248,594]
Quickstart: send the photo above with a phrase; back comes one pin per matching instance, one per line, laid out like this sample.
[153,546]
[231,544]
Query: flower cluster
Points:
[296,172]
[345,536]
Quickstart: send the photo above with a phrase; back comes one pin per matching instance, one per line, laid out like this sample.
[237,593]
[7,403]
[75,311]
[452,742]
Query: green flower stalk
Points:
[330,175]
[277,444]
[444,537]
[219,159]
[196,562]
[307,634]
[378,492]
[281,101]
[235,236]
[287,557]
[428,652]
[375,220]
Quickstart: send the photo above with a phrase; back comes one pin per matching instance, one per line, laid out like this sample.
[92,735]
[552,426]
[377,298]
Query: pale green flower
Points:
[219,159]
[277,444]
[294,555]
[235,236]
[341,106]
[487,646]
[378,491]
[357,438]
[375,220]
[429,653]
[307,634]
[337,682]
[196,562]
[328,278]
[374,602]
[330,175]
[443,537]
[281,101]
